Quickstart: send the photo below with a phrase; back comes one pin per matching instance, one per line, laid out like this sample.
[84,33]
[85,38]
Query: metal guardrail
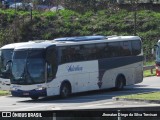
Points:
[150,67]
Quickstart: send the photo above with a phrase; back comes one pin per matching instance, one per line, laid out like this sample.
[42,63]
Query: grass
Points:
[4,92]
[149,63]
[145,96]
[147,73]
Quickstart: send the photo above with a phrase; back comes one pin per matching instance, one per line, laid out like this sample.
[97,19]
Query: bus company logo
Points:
[16,86]
[73,68]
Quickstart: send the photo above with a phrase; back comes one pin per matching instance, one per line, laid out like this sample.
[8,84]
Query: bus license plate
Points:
[25,93]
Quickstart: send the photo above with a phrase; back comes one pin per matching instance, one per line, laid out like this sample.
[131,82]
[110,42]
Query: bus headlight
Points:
[13,88]
[40,88]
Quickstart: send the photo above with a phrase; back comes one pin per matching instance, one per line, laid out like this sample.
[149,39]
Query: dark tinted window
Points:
[101,53]
[113,49]
[126,48]
[90,52]
[5,56]
[39,53]
[51,58]
[71,54]
[136,47]
[20,54]
[98,51]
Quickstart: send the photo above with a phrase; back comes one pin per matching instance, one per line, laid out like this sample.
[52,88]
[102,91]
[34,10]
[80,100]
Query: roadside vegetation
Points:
[20,26]
[143,96]
[3,92]
[147,73]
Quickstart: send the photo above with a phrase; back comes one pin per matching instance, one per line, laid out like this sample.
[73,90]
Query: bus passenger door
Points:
[51,69]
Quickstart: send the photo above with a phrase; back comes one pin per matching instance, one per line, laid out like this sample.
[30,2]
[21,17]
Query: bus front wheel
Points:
[65,90]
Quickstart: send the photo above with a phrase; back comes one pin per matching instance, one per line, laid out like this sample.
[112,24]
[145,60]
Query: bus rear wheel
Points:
[65,90]
[120,83]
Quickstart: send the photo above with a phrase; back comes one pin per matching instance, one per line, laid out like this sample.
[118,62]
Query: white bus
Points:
[5,56]
[76,64]
[6,52]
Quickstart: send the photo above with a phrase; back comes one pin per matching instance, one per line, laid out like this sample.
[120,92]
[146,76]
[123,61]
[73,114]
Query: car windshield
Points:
[28,67]
[5,56]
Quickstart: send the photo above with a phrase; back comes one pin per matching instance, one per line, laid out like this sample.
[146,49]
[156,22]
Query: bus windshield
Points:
[28,67]
[5,56]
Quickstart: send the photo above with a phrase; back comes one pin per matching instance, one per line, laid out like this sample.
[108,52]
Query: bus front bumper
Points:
[29,93]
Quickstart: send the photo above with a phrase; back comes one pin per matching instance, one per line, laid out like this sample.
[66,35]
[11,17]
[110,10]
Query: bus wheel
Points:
[65,90]
[120,83]
[34,97]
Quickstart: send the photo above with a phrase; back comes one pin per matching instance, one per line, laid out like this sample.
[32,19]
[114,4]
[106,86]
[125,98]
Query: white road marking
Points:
[32,107]
[97,104]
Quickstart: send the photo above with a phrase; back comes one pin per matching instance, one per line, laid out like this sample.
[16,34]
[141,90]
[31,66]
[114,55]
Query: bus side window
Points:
[136,47]
[83,52]
[67,56]
[76,55]
[90,52]
[101,50]
[114,49]
[70,54]
[64,56]
[107,52]
[126,48]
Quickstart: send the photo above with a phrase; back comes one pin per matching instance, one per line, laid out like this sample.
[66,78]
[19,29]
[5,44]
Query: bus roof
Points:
[13,45]
[35,44]
[75,41]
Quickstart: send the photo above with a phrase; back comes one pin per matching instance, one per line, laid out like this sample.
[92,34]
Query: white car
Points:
[21,6]
[59,7]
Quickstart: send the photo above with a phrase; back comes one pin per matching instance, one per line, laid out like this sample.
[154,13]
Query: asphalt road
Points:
[89,100]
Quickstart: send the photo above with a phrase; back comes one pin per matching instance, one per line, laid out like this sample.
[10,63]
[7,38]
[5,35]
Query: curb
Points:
[136,100]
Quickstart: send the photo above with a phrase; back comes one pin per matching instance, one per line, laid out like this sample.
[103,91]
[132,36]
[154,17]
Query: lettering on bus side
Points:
[16,86]
[72,68]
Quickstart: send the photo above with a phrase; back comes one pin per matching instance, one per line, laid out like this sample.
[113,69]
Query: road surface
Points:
[89,100]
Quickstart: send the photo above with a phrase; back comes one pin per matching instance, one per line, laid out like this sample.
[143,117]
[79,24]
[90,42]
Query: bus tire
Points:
[65,90]
[120,82]
[34,97]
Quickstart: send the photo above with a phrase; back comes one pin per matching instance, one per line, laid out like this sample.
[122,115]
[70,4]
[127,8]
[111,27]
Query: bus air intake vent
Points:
[81,38]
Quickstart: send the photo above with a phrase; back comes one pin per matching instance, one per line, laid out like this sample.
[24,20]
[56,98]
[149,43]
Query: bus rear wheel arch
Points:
[120,82]
[65,89]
